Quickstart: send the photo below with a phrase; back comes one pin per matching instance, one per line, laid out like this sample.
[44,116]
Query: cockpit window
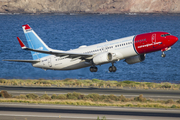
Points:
[164,35]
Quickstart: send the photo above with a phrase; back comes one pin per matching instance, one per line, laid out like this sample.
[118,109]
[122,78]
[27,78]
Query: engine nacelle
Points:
[135,59]
[102,58]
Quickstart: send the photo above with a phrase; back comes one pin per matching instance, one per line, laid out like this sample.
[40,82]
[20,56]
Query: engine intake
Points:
[102,58]
[135,59]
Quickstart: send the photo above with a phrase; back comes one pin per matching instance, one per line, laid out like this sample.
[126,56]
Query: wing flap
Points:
[28,61]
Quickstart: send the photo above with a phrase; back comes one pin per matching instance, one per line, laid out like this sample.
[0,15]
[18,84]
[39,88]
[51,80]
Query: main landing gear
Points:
[112,68]
[93,69]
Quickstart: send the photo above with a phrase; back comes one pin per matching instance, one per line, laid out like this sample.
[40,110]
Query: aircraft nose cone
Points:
[174,39]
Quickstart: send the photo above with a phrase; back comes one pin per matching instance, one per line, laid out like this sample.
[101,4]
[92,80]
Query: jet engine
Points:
[102,58]
[135,59]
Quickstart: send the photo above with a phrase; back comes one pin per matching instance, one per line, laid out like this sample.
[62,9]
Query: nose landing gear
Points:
[163,50]
[163,55]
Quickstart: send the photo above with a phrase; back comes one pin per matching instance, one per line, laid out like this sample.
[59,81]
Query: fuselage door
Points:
[153,39]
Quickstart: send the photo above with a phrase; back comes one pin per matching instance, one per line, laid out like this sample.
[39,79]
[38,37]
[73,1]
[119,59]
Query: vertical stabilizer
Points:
[35,42]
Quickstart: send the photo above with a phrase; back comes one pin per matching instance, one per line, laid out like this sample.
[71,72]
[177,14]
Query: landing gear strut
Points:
[112,68]
[163,55]
[93,69]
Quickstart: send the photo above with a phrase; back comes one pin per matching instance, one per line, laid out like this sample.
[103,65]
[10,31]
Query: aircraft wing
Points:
[57,53]
[29,61]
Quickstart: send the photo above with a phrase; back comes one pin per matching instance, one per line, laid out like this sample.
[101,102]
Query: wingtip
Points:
[21,43]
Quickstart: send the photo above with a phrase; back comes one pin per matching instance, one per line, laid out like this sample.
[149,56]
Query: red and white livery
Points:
[133,49]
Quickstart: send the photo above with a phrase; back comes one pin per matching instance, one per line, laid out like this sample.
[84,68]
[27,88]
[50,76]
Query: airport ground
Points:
[16,111]
[62,112]
[153,94]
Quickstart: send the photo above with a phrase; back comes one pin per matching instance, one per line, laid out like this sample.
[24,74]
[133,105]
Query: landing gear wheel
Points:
[93,69]
[163,55]
[112,69]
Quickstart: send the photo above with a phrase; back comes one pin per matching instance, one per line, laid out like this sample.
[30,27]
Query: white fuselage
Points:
[120,48]
[133,49]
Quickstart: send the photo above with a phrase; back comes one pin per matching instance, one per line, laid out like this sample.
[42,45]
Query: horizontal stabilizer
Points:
[28,61]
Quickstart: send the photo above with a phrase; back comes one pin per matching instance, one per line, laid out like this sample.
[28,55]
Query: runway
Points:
[154,94]
[62,112]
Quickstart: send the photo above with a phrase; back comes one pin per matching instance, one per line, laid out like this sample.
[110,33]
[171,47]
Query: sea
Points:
[69,31]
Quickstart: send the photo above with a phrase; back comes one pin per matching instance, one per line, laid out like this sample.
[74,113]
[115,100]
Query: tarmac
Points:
[13,111]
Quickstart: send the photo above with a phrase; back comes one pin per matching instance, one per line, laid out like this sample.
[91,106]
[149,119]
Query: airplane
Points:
[132,49]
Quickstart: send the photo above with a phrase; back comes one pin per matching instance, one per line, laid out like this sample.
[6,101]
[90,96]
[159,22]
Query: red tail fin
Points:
[26,26]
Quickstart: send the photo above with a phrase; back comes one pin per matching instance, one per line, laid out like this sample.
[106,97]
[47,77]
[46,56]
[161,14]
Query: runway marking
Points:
[43,116]
[45,92]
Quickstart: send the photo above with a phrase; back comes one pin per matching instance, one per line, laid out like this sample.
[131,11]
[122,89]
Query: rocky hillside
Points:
[89,6]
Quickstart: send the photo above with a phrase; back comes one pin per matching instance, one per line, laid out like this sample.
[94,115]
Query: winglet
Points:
[21,43]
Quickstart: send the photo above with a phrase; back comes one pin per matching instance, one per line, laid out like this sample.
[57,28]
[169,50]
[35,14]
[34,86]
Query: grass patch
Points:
[32,96]
[140,98]
[90,100]
[91,103]
[5,94]
[90,83]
